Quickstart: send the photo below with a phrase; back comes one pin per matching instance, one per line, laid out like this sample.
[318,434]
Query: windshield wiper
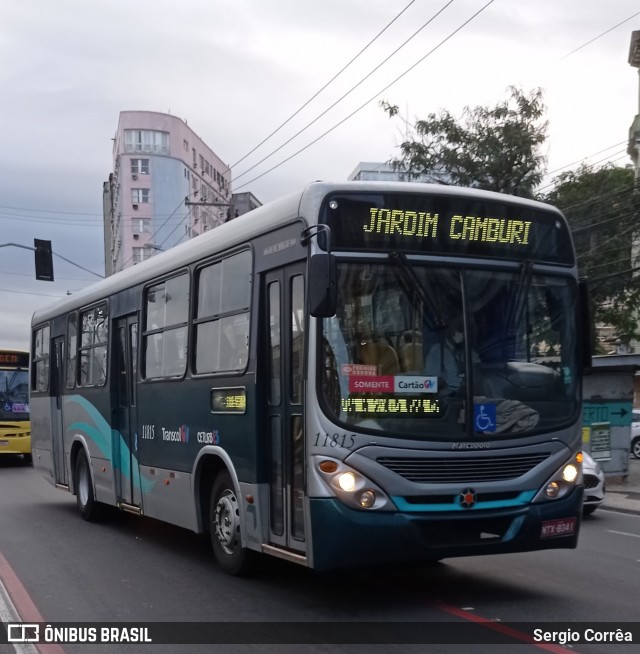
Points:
[411,282]
[519,299]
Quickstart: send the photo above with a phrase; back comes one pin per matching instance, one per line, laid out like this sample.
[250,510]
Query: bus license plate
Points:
[558,527]
[4,442]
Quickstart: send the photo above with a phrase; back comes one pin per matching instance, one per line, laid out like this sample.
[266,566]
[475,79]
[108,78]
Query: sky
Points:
[237,70]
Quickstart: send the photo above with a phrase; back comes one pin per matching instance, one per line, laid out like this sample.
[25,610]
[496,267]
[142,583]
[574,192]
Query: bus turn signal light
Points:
[328,466]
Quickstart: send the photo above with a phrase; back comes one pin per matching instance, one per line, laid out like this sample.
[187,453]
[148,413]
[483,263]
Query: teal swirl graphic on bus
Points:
[108,441]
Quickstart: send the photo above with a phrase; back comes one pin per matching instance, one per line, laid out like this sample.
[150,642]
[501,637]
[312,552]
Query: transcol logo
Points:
[180,435]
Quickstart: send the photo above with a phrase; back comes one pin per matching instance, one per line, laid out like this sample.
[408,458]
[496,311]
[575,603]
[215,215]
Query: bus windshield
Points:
[14,395]
[412,345]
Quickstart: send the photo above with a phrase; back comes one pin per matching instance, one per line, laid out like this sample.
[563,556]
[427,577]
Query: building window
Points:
[140,225]
[140,254]
[40,363]
[185,145]
[139,195]
[93,346]
[222,315]
[139,166]
[146,140]
[165,335]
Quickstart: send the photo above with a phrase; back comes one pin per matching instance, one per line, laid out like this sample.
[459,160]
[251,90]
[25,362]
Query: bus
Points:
[270,383]
[15,428]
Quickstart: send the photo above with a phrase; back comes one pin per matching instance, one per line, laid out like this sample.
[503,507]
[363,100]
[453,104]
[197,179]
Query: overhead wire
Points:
[353,88]
[353,113]
[317,93]
[170,234]
[573,163]
[162,225]
[601,163]
[6,290]
[584,45]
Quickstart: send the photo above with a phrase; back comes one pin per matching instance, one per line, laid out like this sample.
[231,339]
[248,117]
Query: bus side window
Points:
[40,376]
[93,346]
[165,337]
[222,314]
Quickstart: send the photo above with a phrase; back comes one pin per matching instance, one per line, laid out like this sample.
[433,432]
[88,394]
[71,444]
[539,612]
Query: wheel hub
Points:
[226,521]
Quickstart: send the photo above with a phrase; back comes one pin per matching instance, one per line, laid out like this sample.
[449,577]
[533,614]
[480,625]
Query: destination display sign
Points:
[448,225]
[392,406]
[14,359]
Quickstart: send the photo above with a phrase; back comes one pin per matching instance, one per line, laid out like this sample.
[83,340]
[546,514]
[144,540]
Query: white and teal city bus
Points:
[284,384]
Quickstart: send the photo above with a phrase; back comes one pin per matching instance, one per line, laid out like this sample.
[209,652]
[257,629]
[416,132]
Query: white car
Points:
[635,434]
[593,484]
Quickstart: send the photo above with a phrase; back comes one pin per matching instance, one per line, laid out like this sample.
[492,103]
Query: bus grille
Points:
[464,470]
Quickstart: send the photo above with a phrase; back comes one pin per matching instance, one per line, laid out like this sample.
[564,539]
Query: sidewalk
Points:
[624,494]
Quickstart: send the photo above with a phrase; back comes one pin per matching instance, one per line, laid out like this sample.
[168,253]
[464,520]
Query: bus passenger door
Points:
[57,423]
[127,468]
[284,359]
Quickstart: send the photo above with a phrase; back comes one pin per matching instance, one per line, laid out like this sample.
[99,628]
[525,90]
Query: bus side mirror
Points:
[584,325]
[323,291]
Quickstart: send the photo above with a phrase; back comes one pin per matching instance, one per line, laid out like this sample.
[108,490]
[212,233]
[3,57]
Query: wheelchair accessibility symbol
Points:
[484,417]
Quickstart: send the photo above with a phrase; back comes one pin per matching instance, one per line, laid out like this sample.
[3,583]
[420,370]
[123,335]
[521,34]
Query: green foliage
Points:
[603,207]
[496,149]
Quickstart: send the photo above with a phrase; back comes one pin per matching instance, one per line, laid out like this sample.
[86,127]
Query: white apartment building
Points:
[384,172]
[167,186]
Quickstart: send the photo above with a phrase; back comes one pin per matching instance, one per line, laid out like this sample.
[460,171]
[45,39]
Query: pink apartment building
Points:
[166,186]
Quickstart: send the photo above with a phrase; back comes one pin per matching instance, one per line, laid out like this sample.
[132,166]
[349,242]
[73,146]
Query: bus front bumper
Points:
[347,538]
[15,441]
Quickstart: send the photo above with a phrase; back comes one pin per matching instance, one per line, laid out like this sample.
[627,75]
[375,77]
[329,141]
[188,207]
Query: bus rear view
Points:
[15,428]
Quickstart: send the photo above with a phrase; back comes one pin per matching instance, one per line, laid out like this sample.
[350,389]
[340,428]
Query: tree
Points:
[603,207]
[496,149]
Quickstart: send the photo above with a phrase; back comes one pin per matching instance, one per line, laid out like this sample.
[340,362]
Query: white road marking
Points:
[623,533]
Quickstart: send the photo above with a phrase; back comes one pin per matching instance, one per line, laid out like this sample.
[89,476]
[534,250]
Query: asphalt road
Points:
[139,570]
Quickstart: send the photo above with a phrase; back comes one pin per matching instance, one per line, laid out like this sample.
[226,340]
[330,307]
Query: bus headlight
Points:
[347,481]
[351,487]
[570,473]
[565,479]
[367,499]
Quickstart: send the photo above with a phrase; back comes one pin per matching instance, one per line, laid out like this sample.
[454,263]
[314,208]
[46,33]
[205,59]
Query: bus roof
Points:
[303,204]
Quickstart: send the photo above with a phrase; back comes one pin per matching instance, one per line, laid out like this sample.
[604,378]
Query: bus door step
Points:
[130,508]
[284,554]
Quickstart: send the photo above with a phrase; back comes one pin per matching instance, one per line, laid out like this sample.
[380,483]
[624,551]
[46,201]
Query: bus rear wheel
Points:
[85,497]
[224,524]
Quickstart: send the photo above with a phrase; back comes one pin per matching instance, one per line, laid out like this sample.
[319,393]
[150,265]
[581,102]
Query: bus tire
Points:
[224,524]
[28,459]
[85,497]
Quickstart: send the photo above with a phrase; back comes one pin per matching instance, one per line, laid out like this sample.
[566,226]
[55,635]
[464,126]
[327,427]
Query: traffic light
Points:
[44,260]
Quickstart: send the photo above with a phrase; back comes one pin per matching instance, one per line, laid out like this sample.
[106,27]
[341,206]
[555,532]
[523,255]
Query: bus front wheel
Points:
[85,497]
[224,523]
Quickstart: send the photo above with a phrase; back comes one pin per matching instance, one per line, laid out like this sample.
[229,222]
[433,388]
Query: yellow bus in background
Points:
[15,425]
